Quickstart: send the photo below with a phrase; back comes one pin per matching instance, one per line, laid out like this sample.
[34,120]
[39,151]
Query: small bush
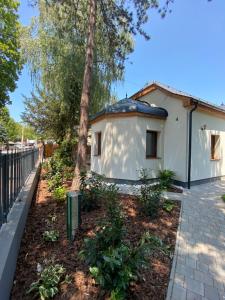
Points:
[59,194]
[65,152]
[150,199]
[55,181]
[223,197]
[150,195]
[144,176]
[166,178]
[93,190]
[47,285]
[114,266]
[68,173]
[168,205]
[51,236]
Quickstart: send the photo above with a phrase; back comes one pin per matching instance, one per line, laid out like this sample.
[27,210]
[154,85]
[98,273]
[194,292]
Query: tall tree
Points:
[54,48]
[10,65]
[85,96]
[118,20]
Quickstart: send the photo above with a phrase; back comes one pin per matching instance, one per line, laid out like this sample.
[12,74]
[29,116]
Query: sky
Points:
[186,51]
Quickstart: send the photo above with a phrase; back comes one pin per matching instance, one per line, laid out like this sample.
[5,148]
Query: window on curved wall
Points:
[151,144]
[98,143]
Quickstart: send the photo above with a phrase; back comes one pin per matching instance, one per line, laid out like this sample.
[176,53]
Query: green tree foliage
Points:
[54,48]
[12,130]
[10,65]
[3,134]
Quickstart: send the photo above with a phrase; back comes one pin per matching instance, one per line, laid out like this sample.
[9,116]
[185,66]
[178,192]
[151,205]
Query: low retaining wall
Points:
[11,234]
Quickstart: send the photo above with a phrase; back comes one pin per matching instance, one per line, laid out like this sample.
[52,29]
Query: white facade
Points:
[123,147]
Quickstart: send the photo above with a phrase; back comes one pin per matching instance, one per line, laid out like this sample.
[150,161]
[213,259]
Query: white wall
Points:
[202,165]
[124,147]
[175,132]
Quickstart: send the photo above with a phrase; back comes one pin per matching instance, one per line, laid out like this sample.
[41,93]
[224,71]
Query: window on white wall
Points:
[98,143]
[215,146]
[151,144]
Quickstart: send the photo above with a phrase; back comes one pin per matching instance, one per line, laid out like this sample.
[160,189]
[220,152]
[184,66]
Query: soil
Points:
[154,279]
[175,189]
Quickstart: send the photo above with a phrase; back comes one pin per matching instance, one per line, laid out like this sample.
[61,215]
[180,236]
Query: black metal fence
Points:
[15,168]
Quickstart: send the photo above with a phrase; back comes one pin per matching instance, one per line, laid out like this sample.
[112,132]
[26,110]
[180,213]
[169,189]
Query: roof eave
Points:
[154,86]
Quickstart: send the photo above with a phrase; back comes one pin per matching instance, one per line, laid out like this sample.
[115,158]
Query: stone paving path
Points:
[198,271]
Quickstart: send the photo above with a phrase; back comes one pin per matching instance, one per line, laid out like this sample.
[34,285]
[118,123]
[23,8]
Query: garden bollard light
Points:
[73,213]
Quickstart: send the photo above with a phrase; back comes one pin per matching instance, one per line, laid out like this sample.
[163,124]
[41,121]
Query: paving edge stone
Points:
[11,233]
[174,263]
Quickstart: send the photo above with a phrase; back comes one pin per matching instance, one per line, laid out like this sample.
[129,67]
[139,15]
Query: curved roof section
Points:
[128,106]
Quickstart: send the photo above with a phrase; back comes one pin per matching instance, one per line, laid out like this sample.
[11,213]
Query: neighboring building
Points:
[159,128]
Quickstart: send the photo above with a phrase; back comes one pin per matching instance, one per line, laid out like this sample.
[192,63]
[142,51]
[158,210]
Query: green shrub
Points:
[144,176]
[114,263]
[68,173]
[55,181]
[168,205]
[92,190]
[59,193]
[47,285]
[114,266]
[150,199]
[51,235]
[166,178]
[223,197]
[65,152]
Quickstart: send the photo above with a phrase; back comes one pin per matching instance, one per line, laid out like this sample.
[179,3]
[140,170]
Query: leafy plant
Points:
[115,266]
[59,193]
[150,199]
[144,175]
[166,178]
[55,181]
[223,197]
[51,235]
[47,285]
[93,190]
[52,217]
[68,173]
[168,205]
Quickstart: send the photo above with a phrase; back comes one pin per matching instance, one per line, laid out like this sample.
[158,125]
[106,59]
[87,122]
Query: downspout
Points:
[190,143]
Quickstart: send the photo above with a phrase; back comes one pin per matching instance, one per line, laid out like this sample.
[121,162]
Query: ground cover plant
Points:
[132,225]
[223,197]
[47,284]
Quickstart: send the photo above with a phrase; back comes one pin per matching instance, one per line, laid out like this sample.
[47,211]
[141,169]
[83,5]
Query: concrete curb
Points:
[174,263]
[11,233]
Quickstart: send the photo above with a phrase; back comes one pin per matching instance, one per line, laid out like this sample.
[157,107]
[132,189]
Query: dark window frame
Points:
[98,145]
[155,145]
[215,138]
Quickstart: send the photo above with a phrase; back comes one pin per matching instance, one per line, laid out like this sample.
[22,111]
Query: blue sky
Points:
[186,51]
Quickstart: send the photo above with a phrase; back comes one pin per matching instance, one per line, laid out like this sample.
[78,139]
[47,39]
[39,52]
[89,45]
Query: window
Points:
[215,146]
[98,143]
[151,144]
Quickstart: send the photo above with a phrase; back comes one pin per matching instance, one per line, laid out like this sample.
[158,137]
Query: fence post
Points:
[4,188]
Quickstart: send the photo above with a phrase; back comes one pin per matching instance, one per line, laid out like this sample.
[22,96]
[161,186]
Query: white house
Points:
[159,128]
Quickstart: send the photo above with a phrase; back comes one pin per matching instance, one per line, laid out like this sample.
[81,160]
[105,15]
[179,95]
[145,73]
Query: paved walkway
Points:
[198,270]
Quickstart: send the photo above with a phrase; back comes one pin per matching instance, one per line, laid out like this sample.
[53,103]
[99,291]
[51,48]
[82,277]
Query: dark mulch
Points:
[34,250]
[175,189]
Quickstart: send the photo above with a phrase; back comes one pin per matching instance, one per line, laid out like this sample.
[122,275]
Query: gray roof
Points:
[177,92]
[129,105]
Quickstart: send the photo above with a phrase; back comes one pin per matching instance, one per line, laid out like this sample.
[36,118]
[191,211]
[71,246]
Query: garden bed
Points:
[34,249]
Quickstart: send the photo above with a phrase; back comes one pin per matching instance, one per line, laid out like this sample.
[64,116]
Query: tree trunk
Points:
[85,98]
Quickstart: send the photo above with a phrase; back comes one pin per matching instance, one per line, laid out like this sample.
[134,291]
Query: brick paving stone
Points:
[193,296]
[179,293]
[195,286]
[211,293]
